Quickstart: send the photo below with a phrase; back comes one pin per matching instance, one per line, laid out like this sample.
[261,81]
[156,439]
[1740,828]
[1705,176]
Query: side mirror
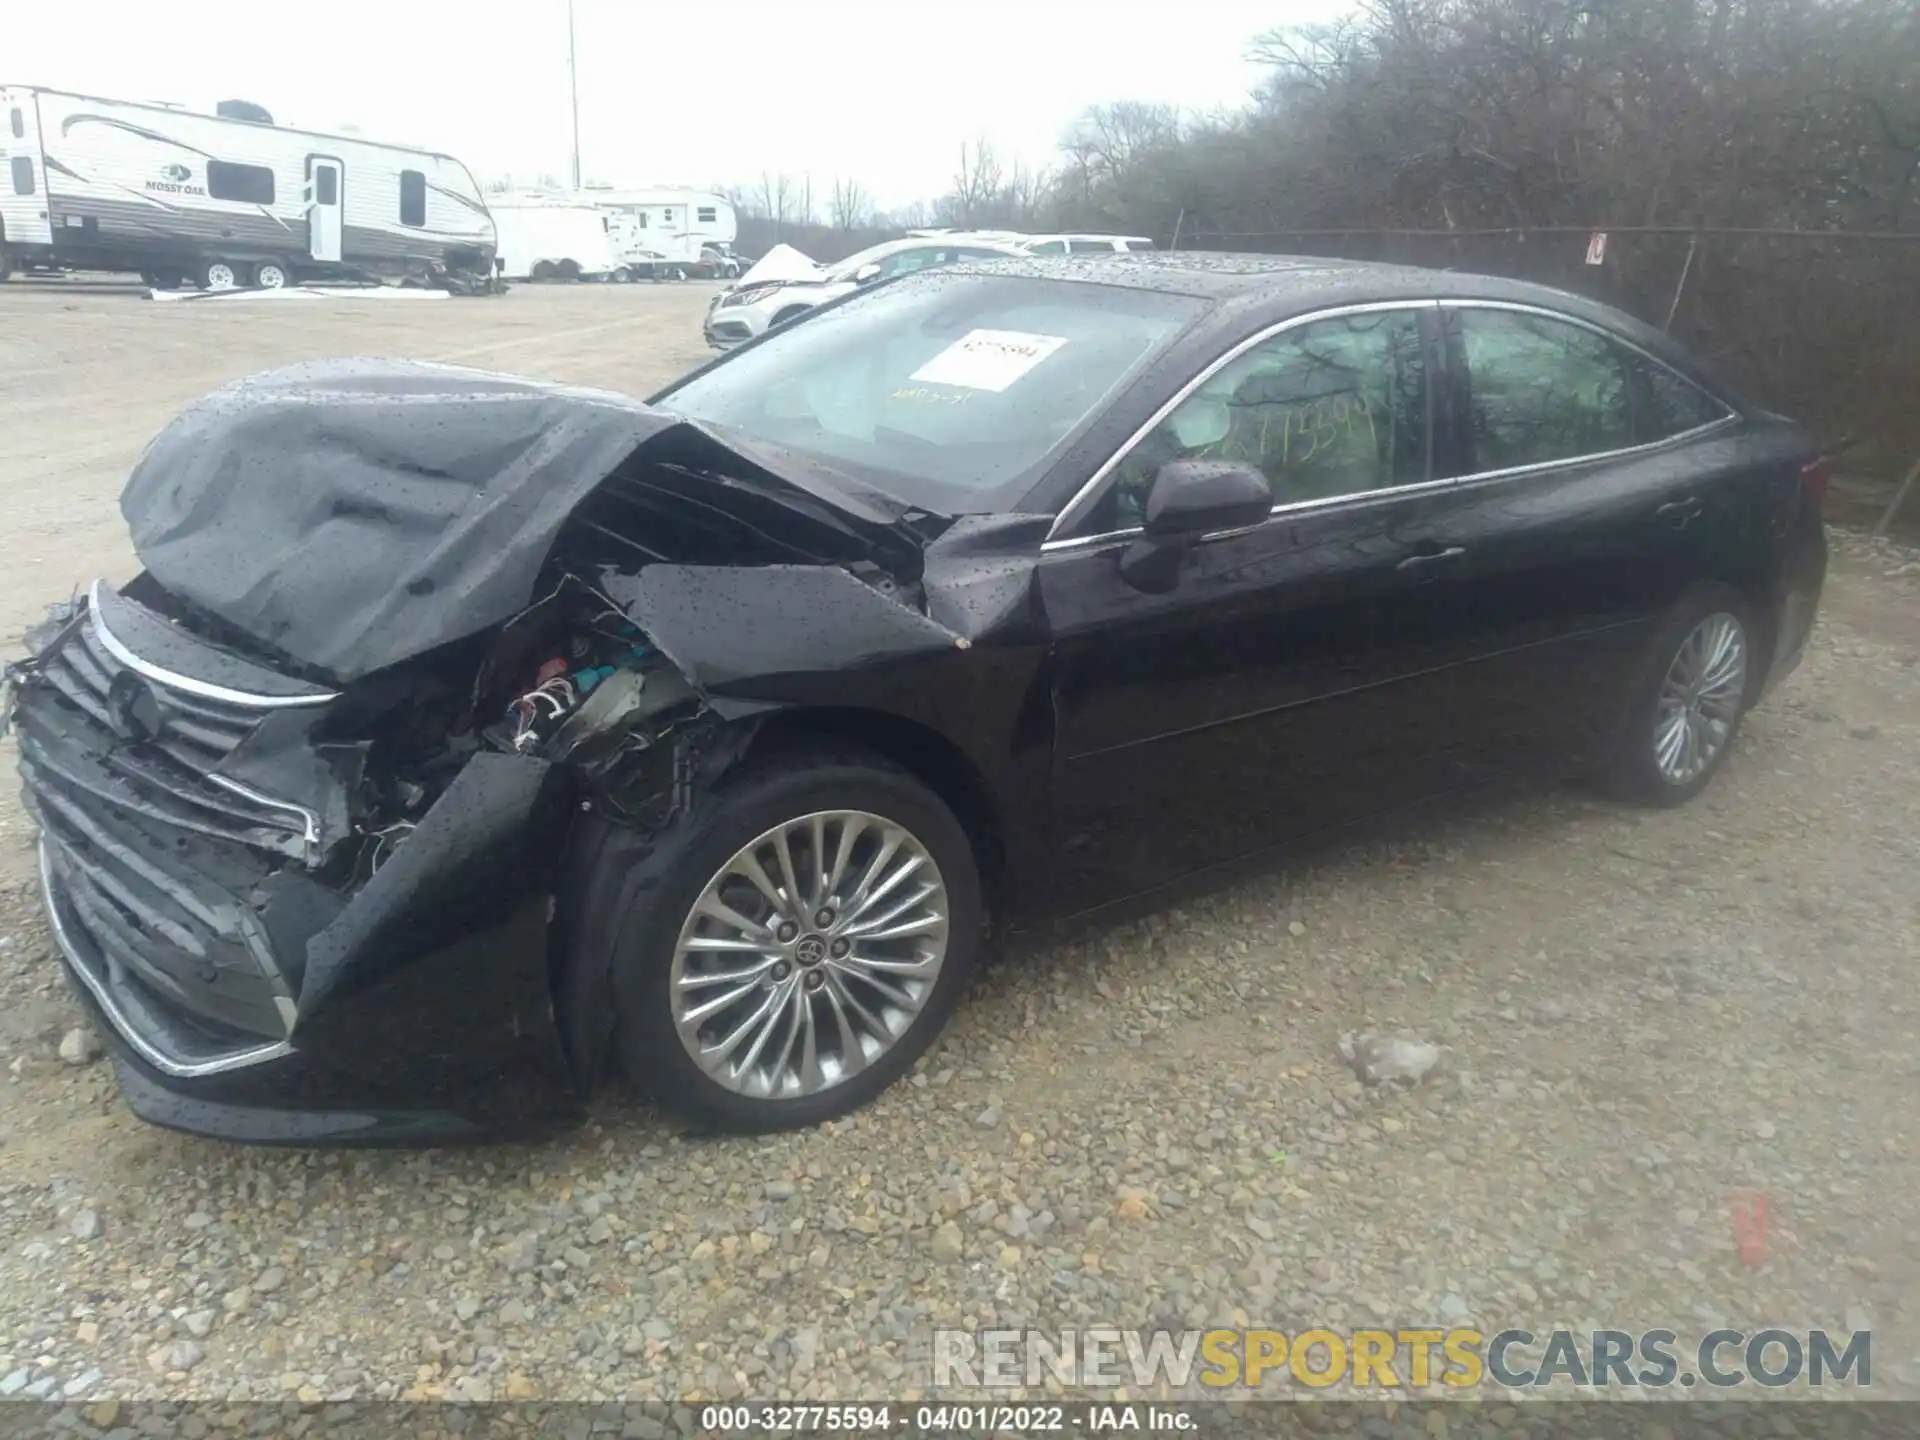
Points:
[1191,498]
[867,273]
[1196,497]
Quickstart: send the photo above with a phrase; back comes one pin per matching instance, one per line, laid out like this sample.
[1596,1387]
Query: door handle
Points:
[1679,512]
[1431,557]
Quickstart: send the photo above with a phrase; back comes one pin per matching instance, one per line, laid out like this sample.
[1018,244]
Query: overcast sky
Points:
[700,92]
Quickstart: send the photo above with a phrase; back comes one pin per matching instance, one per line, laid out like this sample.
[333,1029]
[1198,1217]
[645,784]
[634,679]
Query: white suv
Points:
[753,307]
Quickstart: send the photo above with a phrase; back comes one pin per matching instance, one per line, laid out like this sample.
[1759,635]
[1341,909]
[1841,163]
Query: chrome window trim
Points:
[143,1047]
[187,683]
[1088,491]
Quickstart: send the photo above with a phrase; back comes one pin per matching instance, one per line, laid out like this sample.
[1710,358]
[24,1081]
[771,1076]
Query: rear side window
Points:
[1050,247]
[23,175]
[1666,404]
[1539,390]
[709,215]
[247,184]
[413,198]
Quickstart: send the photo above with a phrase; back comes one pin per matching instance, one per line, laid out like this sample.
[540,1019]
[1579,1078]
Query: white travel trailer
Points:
[670,230]
[541,238]
[220,201]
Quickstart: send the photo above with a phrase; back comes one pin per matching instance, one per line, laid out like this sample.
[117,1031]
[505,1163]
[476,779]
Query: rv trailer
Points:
[219,201]
[669,232]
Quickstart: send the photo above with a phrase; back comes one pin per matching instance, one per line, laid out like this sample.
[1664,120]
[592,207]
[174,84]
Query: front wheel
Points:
[1696,679]
[221,275]
[806,942]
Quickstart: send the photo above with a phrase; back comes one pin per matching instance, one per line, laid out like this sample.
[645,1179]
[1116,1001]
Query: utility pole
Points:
[573,83]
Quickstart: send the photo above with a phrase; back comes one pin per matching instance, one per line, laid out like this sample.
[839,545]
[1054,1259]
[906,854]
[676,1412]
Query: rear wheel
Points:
[1692,690]
[271,275]
[805,943]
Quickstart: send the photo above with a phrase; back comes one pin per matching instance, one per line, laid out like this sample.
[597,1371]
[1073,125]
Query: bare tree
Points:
[849,207]
[777,199]
[977,184]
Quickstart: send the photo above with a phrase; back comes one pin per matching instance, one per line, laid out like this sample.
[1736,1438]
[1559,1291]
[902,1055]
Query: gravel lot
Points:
[1640,1014]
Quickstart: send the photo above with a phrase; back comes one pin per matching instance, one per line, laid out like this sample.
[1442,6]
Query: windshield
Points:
[951,391]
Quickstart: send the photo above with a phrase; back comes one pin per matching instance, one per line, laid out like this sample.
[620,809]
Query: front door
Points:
[1296,677]
[326,194]
[25,208]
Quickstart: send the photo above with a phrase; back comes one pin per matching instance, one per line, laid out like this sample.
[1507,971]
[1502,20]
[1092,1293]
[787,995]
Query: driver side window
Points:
[1335,407]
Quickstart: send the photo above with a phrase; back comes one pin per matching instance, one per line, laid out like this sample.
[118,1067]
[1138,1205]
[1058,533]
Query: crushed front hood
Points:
[354,513]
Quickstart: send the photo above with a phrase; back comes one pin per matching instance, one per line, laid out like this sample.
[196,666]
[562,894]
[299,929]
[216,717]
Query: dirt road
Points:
[1641,1014]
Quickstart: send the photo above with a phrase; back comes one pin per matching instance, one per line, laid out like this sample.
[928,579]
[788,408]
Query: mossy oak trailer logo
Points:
[173,180]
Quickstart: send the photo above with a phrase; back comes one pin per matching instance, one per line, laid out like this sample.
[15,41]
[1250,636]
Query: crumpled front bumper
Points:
[247,991]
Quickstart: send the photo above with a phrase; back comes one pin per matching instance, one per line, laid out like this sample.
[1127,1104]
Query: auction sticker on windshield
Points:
[987,359]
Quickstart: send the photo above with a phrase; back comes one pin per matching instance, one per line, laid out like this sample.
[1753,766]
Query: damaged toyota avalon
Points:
[463,737]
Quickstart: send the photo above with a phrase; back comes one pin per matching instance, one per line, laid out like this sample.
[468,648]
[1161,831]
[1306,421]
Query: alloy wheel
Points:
[1700,698]
[809,954]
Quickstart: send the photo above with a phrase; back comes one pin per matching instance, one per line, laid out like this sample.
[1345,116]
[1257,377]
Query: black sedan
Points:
[463,734]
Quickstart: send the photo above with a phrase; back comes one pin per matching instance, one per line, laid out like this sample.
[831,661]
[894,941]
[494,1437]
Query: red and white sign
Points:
[1597,247]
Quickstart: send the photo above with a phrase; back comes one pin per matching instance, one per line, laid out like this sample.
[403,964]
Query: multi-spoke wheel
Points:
[810,953]
[1694,686]
[814,931]
[1700,698]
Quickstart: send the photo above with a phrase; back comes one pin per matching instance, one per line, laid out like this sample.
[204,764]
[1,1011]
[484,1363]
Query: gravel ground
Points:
[1639,1014]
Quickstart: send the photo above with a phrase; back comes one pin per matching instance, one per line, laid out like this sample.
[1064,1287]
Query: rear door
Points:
[1594,484]
[24,207]
[326,208]
[1293,679]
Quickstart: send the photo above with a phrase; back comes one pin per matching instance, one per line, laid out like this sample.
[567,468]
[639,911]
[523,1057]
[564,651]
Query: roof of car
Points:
[1274,285]
[1216,275]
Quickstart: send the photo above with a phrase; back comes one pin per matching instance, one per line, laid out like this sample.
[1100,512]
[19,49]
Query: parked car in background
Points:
[719,732]
[1085,244]
[752,307]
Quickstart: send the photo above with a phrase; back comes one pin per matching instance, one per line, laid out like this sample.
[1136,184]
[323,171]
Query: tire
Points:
[1633,769]
[271,275]
[221,275]
[649,966]
[6,265]
[789,315]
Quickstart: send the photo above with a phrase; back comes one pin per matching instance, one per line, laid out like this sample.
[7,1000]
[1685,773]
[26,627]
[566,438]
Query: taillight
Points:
[1816,477]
